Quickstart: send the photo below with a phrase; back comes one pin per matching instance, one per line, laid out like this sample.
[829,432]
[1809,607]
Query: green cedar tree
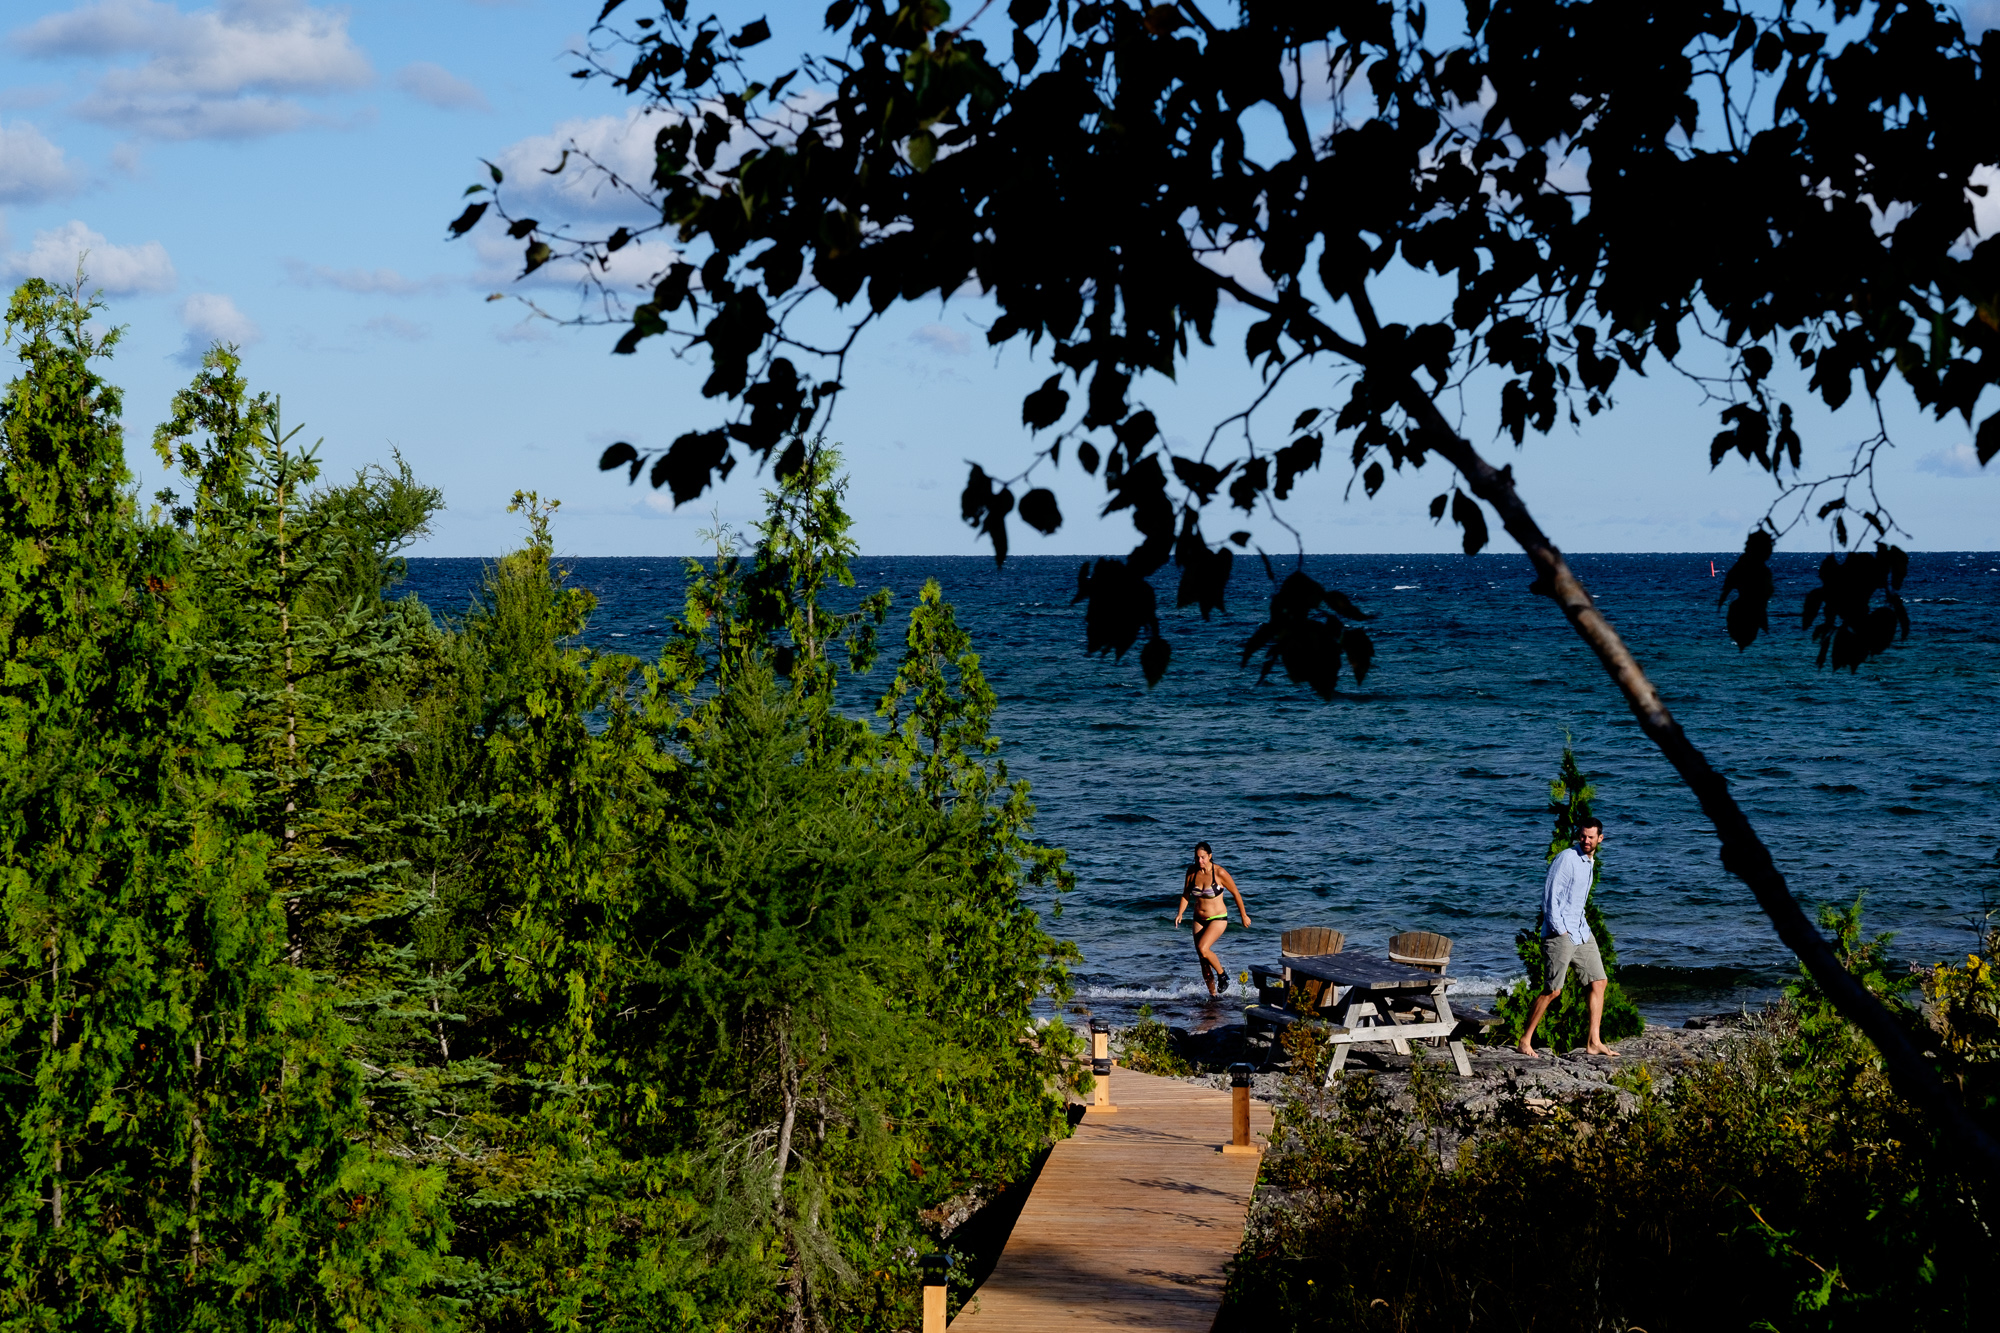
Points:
[1567,1023]
[180,1111]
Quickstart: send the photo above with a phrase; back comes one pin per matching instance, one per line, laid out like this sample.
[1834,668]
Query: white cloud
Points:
[438,87]
[1957,461]
[1241,260]
[121,270]
[31,168]
[501,260]
[213,73]
[211,318]
[388,326]
[125,157]
[941,338]
[361,281]
[618,190]
[1986,207]
[622,144]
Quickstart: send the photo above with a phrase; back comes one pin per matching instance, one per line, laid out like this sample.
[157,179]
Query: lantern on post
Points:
[1100,1068]
[937,1271]
[1239,1111]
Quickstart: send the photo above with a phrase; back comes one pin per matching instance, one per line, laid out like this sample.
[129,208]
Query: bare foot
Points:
[1600,1049]
[1528,1051]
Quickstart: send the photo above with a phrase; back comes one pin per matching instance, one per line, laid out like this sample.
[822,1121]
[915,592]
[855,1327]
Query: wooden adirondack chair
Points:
[1309,942]
[1420,948]
[1273,1011]
[1427,950]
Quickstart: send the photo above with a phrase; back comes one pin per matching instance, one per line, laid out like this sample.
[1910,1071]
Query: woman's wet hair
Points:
[1204,847]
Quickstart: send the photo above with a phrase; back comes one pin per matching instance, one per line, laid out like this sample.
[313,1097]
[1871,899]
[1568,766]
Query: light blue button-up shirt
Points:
[1564,893]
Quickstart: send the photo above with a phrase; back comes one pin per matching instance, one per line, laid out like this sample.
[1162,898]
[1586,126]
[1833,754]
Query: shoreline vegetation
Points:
[385,970]
[1752,1170]
[370,968]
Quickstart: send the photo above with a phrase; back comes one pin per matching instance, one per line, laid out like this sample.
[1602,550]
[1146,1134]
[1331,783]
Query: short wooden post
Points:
[1100,1068]
[1239,1111]
[937,1269]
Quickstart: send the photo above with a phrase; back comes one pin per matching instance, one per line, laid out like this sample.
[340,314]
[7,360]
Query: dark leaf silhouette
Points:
[1851,626]
[1750,579]
[1119,605]
[1045,406]
[1039,511]
[1465,512]
[690,463]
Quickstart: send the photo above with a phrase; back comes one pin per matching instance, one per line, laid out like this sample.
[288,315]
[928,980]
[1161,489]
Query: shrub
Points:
[1752,1193]
[1149,1047]
[1568,1021]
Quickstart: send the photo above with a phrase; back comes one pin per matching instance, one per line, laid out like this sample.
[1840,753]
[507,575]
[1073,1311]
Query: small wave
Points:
[1194,990]
[1484,985]
[1650,983]
[1187,990]
[1309,796]
[1123,818]
[1838,788]
[1404,587]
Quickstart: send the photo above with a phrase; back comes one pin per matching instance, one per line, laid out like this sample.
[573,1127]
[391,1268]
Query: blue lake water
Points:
[1417,800]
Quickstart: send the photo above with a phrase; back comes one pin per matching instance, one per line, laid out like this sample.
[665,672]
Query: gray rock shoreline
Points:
[1501,1076]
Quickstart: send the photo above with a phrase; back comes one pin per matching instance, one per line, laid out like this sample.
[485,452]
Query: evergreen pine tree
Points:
[179,1106]
[788,1008]
[1567,1024]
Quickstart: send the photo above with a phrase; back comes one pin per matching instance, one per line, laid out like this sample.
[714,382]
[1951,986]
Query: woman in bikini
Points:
[1205,884]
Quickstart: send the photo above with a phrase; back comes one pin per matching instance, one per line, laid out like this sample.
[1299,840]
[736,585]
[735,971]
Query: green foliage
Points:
[1827,1045]
[181,1113]
[1963,1007]
[1149,1047]
[764,984]
[1754,1192]
[665,995]
[1567,1023]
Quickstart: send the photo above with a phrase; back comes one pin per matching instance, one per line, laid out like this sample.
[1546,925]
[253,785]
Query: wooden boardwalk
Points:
[1130,1221]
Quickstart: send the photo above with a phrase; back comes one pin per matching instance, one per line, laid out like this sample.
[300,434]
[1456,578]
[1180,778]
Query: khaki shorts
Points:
[1561,951]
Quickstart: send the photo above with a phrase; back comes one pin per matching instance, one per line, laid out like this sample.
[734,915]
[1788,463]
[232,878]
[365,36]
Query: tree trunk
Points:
[788,1087]
[1743,853]
[55,1055]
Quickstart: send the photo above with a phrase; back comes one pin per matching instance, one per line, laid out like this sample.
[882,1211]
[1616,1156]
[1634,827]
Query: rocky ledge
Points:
[1501,1075]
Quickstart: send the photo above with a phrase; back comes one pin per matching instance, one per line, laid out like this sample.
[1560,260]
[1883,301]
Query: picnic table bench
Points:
[1359,998]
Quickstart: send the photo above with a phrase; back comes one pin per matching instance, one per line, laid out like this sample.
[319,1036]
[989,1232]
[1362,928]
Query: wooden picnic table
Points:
[1361,996]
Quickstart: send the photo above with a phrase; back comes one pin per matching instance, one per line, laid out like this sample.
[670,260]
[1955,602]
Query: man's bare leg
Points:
[1596,1046]
[1542,1002]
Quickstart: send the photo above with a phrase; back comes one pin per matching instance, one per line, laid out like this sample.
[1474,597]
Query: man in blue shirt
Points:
[1566,937]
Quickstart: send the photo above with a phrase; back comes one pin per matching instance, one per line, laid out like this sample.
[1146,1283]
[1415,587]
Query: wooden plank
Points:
[1131,1221]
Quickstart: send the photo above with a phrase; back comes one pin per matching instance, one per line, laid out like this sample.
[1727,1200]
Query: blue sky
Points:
[279,173]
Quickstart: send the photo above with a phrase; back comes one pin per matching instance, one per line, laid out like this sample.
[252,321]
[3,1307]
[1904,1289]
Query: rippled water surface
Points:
[1417,800]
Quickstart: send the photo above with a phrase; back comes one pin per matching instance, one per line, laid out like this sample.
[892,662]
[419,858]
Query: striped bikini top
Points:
[1214,889]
